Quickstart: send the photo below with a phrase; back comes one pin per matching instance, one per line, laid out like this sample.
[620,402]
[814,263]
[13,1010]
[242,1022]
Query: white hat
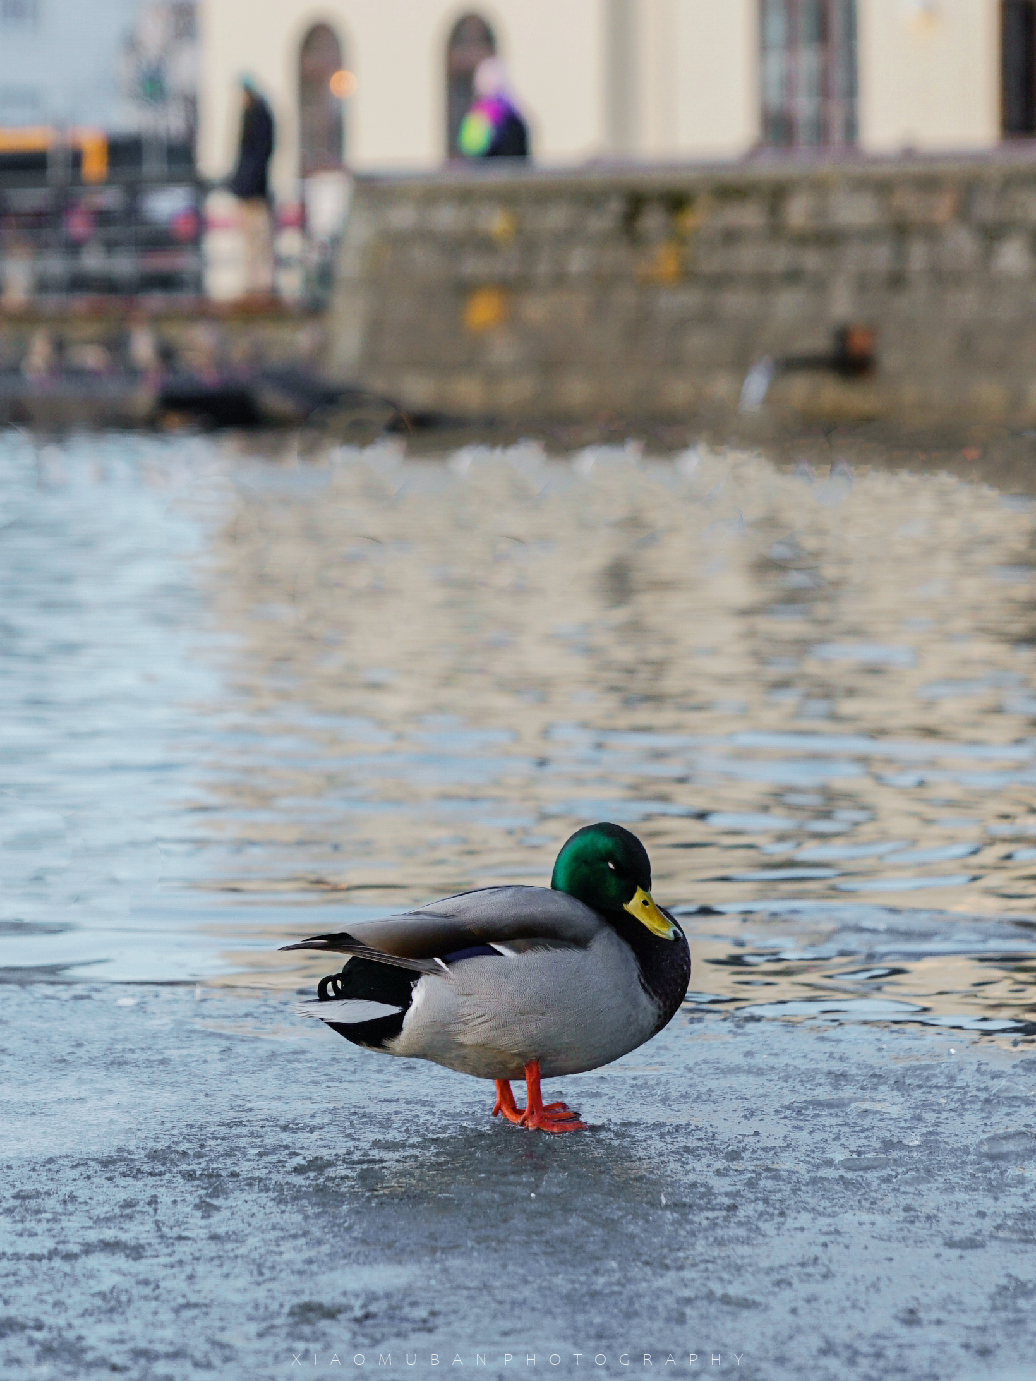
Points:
[490,78]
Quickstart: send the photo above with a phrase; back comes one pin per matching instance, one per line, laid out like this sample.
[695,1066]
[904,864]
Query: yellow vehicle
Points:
[92,144]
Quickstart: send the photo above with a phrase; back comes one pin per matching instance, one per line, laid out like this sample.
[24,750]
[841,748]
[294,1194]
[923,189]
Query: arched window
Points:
[808,72]
[322,85]
[1018,67]
[471,40]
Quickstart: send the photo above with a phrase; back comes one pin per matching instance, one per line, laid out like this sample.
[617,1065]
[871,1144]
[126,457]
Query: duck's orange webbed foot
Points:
[550,1117]
[505,1102]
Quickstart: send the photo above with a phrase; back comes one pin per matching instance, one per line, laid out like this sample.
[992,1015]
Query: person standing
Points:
[250,184]
[493,127]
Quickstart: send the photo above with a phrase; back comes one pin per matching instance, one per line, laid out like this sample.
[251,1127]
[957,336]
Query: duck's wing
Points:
[507,919]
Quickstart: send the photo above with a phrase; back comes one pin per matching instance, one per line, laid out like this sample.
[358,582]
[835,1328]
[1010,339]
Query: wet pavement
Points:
[248,697]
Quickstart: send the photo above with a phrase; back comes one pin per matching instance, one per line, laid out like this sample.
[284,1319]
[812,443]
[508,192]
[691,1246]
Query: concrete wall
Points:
[650,293]
[397,50]
[646,79]
[929,74]
[716,56]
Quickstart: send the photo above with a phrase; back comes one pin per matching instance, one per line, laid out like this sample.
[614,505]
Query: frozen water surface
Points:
[246,697]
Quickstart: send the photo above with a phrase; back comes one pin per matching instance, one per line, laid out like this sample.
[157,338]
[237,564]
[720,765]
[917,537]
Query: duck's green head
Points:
[608,869]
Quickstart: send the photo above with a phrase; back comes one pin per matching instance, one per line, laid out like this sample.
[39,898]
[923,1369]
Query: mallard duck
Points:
[510,981]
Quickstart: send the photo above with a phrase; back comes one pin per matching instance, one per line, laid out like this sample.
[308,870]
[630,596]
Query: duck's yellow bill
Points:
[647,913]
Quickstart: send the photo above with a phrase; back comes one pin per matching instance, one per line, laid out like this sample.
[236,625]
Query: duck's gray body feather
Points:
[571,1008]
[558,984]
[511,915]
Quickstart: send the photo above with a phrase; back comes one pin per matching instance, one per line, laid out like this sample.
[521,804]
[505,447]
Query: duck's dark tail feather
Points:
[367,1000]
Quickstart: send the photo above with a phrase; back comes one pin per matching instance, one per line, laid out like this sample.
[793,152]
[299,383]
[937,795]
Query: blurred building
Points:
[121,66]
[383,83]
[98,192]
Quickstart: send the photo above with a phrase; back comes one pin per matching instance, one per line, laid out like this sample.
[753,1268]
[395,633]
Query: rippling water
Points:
[246,698]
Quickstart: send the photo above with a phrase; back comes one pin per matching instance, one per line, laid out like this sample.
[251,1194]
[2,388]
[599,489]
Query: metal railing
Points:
[86,215]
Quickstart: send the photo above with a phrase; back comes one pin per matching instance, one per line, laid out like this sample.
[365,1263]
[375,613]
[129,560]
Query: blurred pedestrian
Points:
[250,184]
[493,128]
[41,356]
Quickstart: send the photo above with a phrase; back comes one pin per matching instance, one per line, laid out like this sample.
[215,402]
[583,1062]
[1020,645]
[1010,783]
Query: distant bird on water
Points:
[510,981]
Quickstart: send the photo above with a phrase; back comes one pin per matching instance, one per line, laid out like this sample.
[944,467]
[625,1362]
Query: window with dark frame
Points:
[321,117]
[809,89]
[1018,67]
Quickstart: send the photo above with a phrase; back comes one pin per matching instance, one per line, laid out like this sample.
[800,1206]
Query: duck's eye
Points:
[611,865]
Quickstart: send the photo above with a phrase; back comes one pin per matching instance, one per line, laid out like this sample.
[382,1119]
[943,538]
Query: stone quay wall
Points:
[618,294]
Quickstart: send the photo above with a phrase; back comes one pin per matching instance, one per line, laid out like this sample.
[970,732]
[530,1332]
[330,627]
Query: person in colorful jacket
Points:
[492,128]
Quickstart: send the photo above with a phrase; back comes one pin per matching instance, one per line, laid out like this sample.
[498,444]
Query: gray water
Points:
[249,697]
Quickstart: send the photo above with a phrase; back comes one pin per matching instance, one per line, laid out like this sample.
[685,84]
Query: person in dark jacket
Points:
[250,184]
[493,128]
